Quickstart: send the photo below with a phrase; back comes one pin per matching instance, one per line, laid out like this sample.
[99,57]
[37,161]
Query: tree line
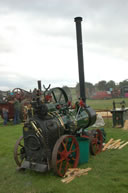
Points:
[102,86]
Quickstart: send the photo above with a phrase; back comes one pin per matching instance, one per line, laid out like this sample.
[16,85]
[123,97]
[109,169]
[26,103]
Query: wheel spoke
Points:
[71,145]
[66,167]
[96,148]
[64,145]
[59,152]
[94,141]
[18,153]
[54,97]
[61,160]
[74,150]
[60,97]
[21,145]
[73,158]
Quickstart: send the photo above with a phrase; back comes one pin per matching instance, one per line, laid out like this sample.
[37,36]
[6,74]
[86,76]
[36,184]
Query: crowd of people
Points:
[20,112]
[26,112]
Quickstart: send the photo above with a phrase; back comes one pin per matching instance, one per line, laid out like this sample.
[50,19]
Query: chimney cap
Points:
[78,19]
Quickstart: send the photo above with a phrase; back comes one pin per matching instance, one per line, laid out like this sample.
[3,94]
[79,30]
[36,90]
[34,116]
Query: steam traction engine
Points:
[52,136]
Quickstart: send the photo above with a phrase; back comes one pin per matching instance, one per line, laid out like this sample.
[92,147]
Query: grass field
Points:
[109,172]
[100,104]
[106,104]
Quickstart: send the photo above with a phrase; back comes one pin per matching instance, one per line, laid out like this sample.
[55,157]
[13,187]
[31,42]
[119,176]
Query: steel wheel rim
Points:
[19,151]
[65,154]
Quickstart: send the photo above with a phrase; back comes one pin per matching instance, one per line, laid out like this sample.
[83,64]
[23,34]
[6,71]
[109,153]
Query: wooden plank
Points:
[114,144]
[107,144]
[118,145]
[111,144]
[74,172]
[123,145]
[70,179]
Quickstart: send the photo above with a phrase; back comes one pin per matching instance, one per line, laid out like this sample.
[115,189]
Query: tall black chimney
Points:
[80,58]
[39,85]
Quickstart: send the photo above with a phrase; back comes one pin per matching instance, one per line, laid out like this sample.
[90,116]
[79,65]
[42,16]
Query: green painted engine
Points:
[51,121]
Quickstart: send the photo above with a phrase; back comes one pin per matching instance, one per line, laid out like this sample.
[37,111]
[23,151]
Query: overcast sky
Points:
[38,42]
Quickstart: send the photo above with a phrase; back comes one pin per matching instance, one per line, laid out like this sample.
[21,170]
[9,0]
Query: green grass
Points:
[106,104]
[109,172]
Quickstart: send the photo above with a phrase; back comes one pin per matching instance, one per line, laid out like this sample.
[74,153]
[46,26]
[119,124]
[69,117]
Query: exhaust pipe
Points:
[91,113]
[39,85]
[80,58]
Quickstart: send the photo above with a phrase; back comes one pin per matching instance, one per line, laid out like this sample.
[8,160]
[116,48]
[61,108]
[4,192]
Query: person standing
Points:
[16,111]
[5,115]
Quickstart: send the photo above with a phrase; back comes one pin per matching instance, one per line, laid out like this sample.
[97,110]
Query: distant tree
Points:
[101,85]
[96,87]
[123,83]
[110,84]
[89,89]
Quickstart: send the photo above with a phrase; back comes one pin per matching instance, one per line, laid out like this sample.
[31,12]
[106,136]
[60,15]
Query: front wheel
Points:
[65,154]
